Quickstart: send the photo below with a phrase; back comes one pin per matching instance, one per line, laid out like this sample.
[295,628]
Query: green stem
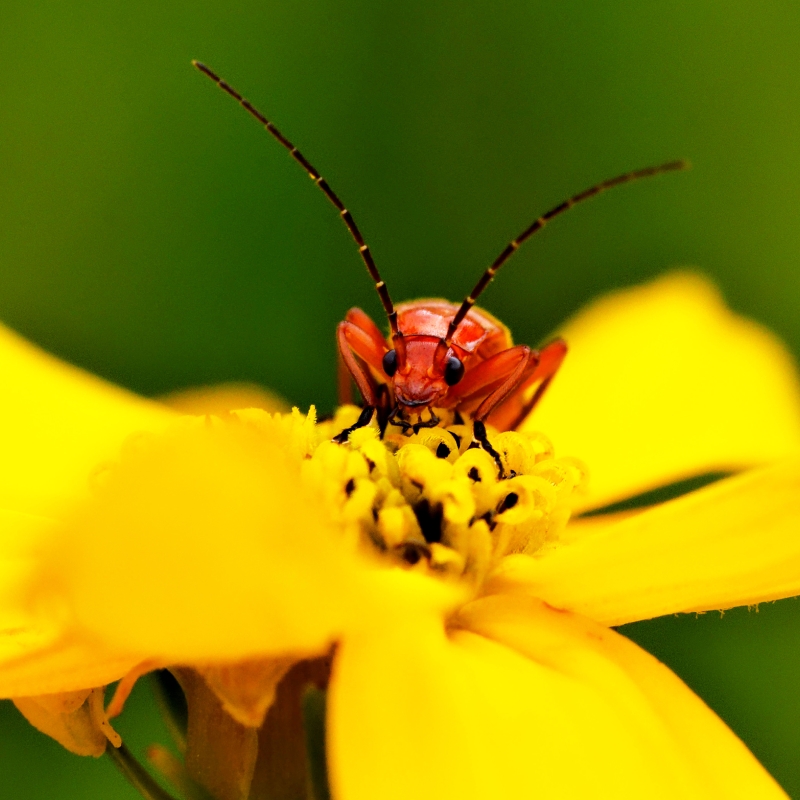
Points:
[137,775]
[314,713]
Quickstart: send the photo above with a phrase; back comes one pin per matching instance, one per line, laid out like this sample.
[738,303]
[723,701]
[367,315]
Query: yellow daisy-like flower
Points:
[469,616]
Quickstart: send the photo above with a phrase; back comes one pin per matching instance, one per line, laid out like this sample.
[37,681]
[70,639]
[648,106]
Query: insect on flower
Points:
[440,356]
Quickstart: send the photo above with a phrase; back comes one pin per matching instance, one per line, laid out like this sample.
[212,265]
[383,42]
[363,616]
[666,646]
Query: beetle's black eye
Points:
[453,371]
[390,362]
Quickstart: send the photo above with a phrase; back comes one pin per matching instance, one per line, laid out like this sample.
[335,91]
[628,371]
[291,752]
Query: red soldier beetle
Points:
[439,355]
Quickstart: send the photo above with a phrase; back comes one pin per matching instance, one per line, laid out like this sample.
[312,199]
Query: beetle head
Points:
[421,371]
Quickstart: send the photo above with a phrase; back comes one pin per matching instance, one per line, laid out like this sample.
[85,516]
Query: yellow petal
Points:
[58,424]
[733,543]
[35,661]
[655,702]
[202,545]
[37,655]
[21,536]
[416,713]
[663,382]
[224,397]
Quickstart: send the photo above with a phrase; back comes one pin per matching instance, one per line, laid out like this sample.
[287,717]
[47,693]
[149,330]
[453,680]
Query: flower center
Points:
[437,501]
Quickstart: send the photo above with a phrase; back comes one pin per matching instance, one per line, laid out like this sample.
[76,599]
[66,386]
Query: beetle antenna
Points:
[538,224]
[363,248]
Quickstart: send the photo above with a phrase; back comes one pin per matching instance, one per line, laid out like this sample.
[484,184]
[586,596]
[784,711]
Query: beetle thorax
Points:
[419,381]
[431,318]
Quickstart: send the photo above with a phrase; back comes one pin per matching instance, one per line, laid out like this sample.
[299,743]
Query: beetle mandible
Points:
[439,355]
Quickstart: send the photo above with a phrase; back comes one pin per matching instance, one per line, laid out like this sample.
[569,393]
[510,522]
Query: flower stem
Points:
[314,713]
[137,775]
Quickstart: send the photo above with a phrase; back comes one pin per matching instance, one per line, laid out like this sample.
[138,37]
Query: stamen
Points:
[429,501]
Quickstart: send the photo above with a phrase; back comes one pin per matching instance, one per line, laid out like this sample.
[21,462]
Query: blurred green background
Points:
[152,233]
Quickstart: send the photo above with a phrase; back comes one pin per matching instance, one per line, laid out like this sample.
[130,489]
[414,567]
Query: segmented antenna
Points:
[538,224]
[363,248]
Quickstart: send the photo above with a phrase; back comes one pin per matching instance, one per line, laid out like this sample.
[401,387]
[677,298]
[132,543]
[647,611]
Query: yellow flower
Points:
[236,545]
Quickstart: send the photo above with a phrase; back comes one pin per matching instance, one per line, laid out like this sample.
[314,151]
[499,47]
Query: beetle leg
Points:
[365,323]
[490,382]
[482,379]
[430,423]
[480,436]
[513,411]
[363,420]
[344,379]
[373,355]
[526,359]
[395,418]
[358,351]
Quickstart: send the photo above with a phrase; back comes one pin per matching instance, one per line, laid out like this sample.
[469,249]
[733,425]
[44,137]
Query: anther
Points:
[509,501]
[429,516]
[413,552]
